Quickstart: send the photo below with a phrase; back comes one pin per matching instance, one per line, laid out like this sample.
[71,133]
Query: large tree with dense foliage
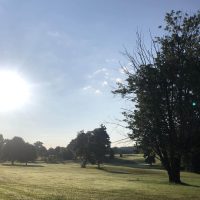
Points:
[12,149]
[40,149]
[91,146]
[28,153]
[17,150]
[82,148]
[71,150]
[165,88]
[99,144]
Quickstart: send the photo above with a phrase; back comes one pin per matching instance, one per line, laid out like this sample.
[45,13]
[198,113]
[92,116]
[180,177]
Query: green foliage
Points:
[125,150]
[13,149]
[82,148]
[99,144]
[40,149]
[17,150]
[91,146]
[1,145]
[165,85]
[71,150]
[58,154]
[27,154]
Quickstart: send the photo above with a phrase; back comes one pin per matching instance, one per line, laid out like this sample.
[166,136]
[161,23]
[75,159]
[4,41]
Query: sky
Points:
[70,53]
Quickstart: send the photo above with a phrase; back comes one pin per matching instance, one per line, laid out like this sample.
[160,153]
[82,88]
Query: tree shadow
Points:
[20,165]
[133,164]
[115,171]
[189,185]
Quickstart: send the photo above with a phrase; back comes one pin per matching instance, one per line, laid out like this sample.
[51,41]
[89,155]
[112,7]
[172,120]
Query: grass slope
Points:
[69,181]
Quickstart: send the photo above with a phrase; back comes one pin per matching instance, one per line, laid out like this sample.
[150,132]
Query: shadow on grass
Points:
[189,185]
[115,171]
[132,164]
[20,165]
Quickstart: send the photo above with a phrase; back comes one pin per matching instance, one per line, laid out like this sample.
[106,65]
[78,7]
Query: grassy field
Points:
[69,181]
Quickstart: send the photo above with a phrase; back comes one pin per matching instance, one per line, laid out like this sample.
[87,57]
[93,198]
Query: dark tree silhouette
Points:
[40,149]
[91,146]
[57,155]
[28,153]
[191,159]
[1,142]
[165,88]
[17,150]
[99,144]
[82,147]
[13,149]
[71,150]
[1,146]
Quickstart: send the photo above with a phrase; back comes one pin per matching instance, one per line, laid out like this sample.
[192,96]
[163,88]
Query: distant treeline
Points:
[16,149]
[88,147]
[125,150]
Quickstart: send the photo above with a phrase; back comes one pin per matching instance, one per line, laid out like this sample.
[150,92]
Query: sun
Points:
[14,91]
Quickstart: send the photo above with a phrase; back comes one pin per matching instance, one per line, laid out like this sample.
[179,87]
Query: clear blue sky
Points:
[69,51]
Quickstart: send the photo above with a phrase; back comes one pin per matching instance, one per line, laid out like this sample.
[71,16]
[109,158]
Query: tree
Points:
[91,146]
[1,144]
[165,88]
[17,150]
[99,144]
[40,149]
[57,155]
[67,154]
[61,153]
[71,150]
[13,149]
[28,153]
[1,141]
[191,160]
[82,148]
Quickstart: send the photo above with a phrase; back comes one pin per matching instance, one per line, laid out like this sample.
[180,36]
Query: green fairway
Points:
[69,181]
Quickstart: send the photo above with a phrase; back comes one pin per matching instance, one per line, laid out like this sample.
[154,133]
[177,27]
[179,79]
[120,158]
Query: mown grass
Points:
[69,181]
[134,161]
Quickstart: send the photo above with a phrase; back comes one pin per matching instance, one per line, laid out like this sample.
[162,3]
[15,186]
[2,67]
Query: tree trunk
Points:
[12,162]
[83,164]
[99,167]
[174,172]
[174,176]
[26,163]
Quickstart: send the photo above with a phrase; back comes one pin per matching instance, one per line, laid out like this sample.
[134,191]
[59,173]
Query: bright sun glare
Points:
[14,91]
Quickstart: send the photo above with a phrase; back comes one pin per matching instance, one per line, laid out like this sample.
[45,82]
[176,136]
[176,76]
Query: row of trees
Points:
[52,155]
[17,149]
[164,86]
[91,146]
